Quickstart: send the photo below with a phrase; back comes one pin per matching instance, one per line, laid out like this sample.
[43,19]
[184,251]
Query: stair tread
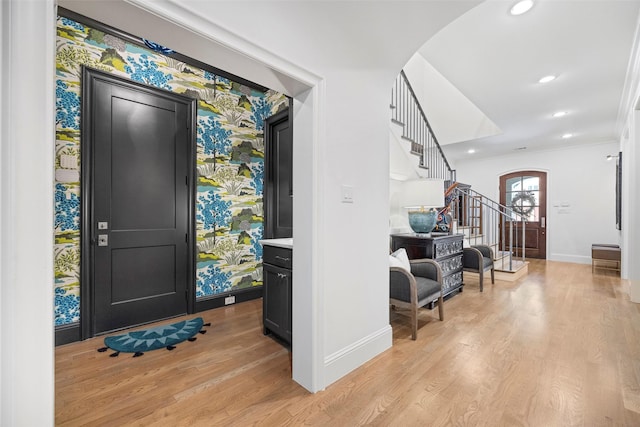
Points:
[517,265]
[406,138]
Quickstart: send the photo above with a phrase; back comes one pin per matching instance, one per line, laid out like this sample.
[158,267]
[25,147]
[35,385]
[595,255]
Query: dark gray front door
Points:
[139,179]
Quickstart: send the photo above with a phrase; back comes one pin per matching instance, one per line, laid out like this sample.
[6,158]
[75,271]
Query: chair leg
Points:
[493,276]
[441,307]
[414,322]
[481,278]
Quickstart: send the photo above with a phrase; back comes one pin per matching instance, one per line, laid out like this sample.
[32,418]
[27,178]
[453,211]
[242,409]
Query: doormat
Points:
[165,336]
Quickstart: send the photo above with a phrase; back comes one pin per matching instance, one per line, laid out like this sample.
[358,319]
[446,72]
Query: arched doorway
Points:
[526,193]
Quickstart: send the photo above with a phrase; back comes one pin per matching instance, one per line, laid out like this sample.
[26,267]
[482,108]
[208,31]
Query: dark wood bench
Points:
[605,256]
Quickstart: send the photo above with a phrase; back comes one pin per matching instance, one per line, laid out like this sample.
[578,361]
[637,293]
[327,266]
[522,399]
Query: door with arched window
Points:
[526,193]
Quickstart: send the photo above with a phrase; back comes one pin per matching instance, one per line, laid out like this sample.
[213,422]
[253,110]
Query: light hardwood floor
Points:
[560,347]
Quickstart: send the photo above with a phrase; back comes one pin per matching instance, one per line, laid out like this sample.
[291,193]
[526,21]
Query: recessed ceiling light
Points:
[471,151]
[560,114]
[521,7]
[567,135]
[547,79]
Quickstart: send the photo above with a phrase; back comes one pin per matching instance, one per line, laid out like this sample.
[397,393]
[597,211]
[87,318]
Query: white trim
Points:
[343,361]
[176,13]
[634,291]
[26,212]
[308,298]
[6,397]
[576,259]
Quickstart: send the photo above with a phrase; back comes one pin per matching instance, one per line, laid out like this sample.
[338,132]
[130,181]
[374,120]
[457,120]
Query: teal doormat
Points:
[165,336]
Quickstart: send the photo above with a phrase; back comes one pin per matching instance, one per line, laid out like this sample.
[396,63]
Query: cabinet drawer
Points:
[451,264]
[281,257]
[443,249]
[451,281]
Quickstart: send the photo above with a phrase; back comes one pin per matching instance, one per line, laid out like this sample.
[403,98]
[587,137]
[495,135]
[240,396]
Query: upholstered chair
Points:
[416,288]
[478,259]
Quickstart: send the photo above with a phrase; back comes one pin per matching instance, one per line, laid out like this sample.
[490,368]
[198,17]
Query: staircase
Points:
[407,112]
[483,221]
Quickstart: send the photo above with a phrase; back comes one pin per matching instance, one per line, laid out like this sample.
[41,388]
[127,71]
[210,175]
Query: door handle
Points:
[103,240]
[542,222]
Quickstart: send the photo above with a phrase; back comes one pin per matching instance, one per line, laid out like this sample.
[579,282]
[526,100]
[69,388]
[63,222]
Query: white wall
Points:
[578,176]
[26,212]
[452,116]
[403,164]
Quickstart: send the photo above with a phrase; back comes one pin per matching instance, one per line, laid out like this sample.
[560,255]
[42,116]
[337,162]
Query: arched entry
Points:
[526,193]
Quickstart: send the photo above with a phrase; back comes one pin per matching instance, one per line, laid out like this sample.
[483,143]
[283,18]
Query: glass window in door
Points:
[523,196]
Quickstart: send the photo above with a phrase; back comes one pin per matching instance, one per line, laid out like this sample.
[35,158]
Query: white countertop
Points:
[281,243]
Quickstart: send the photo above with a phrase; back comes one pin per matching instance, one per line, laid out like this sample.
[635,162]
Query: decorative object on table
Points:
[422,198]
[449,196]
[164,336]
[444,223]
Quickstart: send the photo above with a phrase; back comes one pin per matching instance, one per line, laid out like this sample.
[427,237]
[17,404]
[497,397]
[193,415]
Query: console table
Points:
[446,250]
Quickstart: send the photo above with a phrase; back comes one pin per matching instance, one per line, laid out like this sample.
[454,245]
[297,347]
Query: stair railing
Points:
[406,111]
[493,225]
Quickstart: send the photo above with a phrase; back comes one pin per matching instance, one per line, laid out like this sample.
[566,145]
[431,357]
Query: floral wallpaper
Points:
[230,160]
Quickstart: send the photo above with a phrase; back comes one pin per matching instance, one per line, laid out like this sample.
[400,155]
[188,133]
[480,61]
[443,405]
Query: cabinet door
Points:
[278,188]
[276,303]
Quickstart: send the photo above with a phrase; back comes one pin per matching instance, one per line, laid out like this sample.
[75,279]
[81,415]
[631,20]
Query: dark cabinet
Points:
[276,292]
[445,250]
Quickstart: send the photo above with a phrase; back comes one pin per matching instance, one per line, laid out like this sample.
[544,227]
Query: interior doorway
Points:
[137,204]
[526,193]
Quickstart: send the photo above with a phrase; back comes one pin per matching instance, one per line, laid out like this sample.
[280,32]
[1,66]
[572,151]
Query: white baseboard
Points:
[634,291]
[343,361]
[578,259]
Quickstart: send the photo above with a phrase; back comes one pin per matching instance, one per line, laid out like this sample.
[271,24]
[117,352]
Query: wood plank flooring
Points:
[560,347]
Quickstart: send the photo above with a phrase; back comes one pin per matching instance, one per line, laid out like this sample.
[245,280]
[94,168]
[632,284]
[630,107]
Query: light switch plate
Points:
[347,194]
[68,162]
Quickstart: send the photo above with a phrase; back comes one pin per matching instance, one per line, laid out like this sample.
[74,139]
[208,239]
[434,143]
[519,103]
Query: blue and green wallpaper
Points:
[230,160]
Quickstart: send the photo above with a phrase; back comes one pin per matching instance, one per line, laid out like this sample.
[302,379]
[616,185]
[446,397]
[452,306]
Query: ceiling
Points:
[496,59]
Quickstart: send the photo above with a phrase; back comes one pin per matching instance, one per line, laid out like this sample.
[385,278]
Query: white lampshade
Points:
[422,193]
